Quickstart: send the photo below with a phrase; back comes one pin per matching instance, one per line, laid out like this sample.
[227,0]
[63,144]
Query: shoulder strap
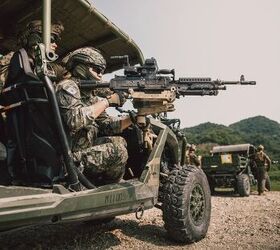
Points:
[26,64]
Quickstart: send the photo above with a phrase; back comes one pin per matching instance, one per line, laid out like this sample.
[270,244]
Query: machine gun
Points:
[153,91]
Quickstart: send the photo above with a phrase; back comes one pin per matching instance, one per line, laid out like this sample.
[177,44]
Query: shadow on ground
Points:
[82,235]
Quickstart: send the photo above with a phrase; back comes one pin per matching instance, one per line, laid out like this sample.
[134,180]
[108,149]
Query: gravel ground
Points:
[236,223]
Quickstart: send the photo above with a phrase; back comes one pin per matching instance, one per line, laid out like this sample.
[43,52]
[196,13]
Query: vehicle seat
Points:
[33,151]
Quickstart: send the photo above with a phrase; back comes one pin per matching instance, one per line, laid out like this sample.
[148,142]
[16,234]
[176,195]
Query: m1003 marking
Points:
[115,198]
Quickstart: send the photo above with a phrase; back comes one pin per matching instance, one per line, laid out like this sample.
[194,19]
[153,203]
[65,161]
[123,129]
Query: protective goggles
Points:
[97,69]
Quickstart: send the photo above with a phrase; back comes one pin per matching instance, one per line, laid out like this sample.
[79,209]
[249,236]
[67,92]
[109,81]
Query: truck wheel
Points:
[243,185]
[187,204]
[267,182]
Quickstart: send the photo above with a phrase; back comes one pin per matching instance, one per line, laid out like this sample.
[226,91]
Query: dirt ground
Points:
[236,223]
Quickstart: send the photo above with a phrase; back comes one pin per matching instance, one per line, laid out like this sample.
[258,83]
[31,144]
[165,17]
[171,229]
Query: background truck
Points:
[230,167]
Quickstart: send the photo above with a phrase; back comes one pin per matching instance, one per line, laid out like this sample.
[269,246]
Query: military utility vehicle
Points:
[43,184]
[46,186]
[230,167]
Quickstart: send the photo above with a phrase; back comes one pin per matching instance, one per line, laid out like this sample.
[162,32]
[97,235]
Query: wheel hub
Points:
[197,204]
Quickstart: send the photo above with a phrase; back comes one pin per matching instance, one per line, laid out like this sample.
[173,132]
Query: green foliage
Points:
[212,133]
[261,130]
[257,125]
[256,130]
[275,186]
[274,175]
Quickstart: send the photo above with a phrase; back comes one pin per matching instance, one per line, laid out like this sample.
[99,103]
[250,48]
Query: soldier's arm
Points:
[114,125]
[73,111]
[187,157]
[110,125]
[267,162]
[196,160]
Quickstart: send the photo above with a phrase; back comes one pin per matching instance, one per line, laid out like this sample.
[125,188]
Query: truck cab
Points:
[230,166]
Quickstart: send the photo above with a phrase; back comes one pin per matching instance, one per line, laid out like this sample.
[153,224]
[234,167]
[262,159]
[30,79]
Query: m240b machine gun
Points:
[154,91]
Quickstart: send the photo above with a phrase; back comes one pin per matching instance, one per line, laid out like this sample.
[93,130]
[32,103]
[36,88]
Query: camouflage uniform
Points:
[4,65]
[262,164]
[102,157]
[192,159]
[29,37]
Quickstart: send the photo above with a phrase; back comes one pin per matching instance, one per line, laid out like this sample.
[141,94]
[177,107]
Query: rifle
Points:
[153,91]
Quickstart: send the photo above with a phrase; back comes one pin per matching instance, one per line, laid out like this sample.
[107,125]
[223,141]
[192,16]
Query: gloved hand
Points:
[117,99]
[133,116]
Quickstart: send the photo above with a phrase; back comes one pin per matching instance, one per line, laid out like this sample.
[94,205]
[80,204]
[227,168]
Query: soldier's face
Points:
[97,74]
[54,40]
[53,46]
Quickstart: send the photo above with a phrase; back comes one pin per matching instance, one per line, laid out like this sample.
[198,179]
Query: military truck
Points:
[230,167]
[51,188]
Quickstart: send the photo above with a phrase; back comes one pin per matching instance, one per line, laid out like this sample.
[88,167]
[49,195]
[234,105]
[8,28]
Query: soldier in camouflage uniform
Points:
[21,69]
[33,35]
[4,65]
[263,163]
[191,157]
[102,156]
[28,38]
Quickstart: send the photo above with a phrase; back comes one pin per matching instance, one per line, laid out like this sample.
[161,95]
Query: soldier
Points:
[4,65]
[191,157]
[22,63]
[32,35]
[102,157]
[262,165]
[21,69]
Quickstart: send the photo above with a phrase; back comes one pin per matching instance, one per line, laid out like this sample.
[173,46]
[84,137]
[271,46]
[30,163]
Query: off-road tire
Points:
[267,182]
[187,204]
[243,185]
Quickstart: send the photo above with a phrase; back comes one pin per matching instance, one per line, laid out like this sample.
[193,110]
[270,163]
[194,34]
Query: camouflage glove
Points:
[117,99]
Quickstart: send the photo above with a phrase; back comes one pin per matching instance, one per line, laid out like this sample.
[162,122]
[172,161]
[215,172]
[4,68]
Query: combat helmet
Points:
[79,61]
[192,147]
[260,148]
[87,55]
[32,34]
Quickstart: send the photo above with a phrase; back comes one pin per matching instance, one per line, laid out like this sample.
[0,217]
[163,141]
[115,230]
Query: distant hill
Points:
[255,130]
[257,125]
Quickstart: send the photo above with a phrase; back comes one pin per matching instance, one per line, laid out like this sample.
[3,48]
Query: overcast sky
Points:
[216,38]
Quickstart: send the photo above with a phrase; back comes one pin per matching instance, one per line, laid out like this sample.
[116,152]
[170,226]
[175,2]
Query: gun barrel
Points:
[91,84]
[207,80]
[237,82]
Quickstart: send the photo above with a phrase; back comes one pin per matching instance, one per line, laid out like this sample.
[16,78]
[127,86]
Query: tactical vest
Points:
[260,159]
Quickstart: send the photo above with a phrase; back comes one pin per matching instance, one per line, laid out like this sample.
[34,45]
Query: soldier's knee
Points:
[122,154]
[120,146]
[119,141]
